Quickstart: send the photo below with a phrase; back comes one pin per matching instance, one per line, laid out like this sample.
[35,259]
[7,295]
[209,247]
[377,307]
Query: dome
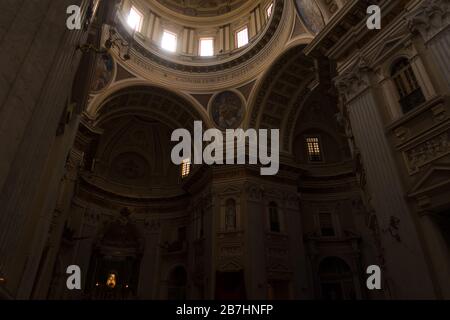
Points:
[177,43]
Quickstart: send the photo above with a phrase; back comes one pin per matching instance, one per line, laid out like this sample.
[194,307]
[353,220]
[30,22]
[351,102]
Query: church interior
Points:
[87,180]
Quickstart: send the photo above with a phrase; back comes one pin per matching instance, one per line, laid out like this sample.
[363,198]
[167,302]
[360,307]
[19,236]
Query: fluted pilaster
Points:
[404,256]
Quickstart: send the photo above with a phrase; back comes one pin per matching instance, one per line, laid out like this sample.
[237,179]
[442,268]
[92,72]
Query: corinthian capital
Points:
[430,18]
[354,80]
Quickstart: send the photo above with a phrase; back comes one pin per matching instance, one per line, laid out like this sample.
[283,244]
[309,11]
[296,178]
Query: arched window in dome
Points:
[408,89]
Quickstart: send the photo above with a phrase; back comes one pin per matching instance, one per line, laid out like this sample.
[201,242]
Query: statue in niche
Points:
[227,110]
[230,215]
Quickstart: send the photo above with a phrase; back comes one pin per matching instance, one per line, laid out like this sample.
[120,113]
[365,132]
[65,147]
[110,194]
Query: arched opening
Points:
[336,280]
[176,284]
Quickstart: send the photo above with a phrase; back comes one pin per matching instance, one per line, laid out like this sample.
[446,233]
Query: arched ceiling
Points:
[280,95]
[152,102]
[133,148]
[203,8]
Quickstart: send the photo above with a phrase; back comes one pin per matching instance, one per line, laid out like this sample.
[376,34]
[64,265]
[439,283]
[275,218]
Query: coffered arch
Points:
[281,93]
[161,104]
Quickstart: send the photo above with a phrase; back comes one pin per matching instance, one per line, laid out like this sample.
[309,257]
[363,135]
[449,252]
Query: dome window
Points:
[169,41]
[207,47]
[242,37]
[135,18]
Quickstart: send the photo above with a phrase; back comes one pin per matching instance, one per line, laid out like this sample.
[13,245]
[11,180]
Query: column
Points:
[431,21]
[405,259]
[37,67]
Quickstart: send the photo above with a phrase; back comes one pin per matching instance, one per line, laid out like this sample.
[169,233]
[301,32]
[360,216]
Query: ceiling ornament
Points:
[203,8]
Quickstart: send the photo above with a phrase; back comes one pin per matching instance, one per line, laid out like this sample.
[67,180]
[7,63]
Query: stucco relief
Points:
[427,152]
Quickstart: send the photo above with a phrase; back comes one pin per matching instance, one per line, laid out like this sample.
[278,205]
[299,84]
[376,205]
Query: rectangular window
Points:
[313,148]
[185,168]
[206,47]
[242,37]
[326,224]
[135,19]
[169,41]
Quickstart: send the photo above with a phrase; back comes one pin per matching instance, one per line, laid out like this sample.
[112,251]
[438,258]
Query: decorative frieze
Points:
[427,152]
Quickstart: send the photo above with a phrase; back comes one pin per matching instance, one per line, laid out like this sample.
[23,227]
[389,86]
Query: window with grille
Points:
[313,149]
[408,88]
[185,168]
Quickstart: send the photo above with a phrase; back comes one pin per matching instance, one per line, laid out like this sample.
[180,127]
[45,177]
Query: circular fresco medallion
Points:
[227,110]
[103,74]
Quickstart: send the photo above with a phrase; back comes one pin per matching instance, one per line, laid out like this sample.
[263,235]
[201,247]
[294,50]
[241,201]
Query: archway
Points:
[176,284]
[281,93]
[336,280]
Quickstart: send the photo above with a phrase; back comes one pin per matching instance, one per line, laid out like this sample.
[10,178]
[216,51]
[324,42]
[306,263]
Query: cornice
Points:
[354,80]
[347,31]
